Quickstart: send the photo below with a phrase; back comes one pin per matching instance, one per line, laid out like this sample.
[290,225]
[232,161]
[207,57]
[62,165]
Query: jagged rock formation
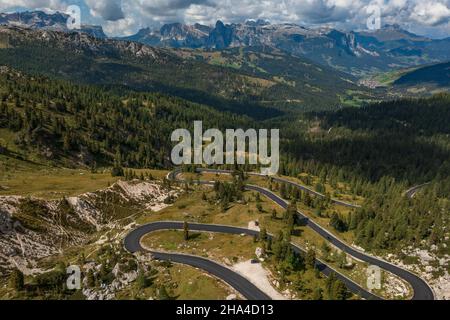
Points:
[349,51]
[42,20]
[356,52]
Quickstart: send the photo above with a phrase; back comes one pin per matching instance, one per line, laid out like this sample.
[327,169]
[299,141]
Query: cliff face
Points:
[32,228]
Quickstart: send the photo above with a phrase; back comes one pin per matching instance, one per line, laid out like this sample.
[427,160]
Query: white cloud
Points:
[109,10]
[126,26]
[125,16]
[431,13]
[33,4]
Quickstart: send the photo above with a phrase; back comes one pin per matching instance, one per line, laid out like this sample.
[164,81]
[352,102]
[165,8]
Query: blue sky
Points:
[124,17]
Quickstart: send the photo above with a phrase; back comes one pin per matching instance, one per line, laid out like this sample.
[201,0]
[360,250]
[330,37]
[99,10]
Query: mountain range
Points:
[275,65]
[360,53]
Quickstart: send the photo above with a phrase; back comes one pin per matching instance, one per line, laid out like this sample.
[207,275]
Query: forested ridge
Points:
[382,150]
[88,125]
[405,139]
[435,75]
[259,86]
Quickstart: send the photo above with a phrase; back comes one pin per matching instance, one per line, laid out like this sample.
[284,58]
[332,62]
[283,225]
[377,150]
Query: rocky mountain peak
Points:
[47,21]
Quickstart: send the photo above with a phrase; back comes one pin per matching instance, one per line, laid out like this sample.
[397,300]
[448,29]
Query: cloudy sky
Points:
[125,17]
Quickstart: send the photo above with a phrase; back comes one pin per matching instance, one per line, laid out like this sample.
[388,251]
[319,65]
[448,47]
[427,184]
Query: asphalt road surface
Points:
[421,289]
[238,282]
[247,289]
[299,186]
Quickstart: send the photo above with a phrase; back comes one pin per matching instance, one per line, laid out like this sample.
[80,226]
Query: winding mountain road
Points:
[132,243]
[410,193]
[294,184]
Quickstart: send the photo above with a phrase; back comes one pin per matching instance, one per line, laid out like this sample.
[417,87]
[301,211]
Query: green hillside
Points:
[78,125]
[437,75]
[255,84]
[300,80]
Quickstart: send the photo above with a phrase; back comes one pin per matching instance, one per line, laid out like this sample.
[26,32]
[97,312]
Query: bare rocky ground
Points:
[394,288]
[431,266]
[122,279]
[31,228]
